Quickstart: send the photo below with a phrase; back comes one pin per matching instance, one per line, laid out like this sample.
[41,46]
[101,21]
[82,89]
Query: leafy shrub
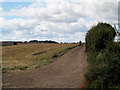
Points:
[103,56]
[98,36]
[4,69]
[106,75]
[91,57]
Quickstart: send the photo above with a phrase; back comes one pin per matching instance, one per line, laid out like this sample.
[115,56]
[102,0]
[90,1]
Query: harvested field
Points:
[20,57]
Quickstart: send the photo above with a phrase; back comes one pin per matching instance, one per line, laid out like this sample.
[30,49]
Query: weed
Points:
[55,55]
[20,68]
[14,68]
[4,69]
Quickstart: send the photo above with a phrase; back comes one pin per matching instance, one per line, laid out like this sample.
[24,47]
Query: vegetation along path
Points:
[66,72]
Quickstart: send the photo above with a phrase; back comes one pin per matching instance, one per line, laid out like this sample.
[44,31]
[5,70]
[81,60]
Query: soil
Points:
[66,72]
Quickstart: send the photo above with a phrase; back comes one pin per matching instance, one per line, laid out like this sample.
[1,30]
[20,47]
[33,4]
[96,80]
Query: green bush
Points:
[98,36]
[106,70]
[103,54]
[92,57]
[4,69]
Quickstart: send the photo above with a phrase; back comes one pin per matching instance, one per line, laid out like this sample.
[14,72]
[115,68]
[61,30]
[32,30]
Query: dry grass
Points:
[30,55]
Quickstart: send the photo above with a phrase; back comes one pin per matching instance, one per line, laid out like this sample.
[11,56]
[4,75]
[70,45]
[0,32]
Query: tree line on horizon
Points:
[46,41]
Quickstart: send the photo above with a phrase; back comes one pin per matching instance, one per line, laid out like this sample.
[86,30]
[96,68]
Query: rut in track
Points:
[66,72]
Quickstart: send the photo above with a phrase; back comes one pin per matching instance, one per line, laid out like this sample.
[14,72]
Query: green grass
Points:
[14,68]
[62,52]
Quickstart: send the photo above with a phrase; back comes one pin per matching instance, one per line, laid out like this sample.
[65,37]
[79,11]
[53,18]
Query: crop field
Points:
[21,57]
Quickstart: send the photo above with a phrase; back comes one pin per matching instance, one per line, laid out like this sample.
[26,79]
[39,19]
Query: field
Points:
[21,57]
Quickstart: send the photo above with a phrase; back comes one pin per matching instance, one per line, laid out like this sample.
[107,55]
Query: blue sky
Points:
[65,21]
[7,6]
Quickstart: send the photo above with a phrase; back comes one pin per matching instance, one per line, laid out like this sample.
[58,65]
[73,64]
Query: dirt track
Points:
[66,72]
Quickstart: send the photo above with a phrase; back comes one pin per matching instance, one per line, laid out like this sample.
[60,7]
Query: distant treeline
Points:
[8,43]
[36,41]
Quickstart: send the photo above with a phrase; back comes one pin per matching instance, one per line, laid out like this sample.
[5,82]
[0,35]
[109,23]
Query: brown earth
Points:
[66,72]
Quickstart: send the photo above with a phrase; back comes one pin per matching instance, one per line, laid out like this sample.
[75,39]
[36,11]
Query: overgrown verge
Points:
[14,68]
[55,56]
[62,52]
[104,60]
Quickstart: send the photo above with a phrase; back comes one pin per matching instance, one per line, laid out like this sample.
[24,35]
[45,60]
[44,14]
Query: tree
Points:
[99,36]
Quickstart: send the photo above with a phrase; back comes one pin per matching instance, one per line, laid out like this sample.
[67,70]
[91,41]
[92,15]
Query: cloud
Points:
[20,29]
[58,20]
[67,12]
[1,8]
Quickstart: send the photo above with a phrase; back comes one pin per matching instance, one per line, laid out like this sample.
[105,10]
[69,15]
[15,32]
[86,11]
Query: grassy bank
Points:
[21,57]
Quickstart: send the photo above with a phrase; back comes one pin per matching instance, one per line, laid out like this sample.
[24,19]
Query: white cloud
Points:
[68,12]
[1,8]
[61,21]
[16,24]
[58,0]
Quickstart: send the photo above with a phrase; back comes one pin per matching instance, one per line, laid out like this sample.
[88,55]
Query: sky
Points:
[59,20]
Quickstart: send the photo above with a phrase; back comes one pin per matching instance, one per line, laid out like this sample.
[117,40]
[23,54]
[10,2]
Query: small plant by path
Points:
[85,84]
